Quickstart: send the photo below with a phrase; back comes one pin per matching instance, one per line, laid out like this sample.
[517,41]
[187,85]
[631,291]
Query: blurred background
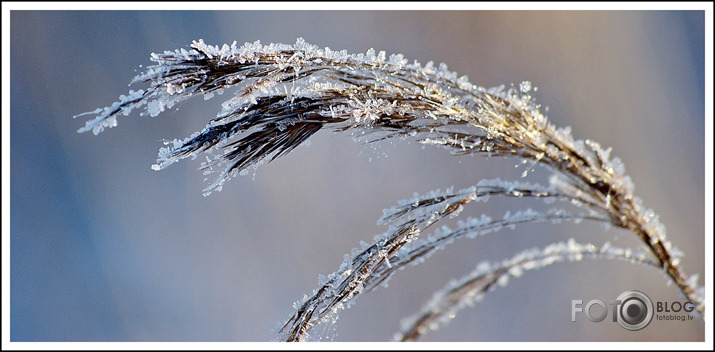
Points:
[105,249]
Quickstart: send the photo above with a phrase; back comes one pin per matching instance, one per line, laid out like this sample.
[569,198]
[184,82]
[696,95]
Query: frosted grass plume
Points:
[286,93]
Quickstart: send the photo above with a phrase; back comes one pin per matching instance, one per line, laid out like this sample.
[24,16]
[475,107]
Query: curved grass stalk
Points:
[286,93]
[400,246]
[471,288]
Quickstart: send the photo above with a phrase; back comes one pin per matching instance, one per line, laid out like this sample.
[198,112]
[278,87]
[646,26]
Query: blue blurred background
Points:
[105,249]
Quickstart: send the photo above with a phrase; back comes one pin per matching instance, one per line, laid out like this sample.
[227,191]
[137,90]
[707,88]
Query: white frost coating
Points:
[435,201]
[693,280]
[106,117]
[300,72]
[415,251]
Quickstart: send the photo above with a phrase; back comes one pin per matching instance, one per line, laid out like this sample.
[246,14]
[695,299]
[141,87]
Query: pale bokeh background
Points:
[105,249]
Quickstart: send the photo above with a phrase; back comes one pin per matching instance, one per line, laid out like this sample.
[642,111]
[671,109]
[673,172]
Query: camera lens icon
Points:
[635,311]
